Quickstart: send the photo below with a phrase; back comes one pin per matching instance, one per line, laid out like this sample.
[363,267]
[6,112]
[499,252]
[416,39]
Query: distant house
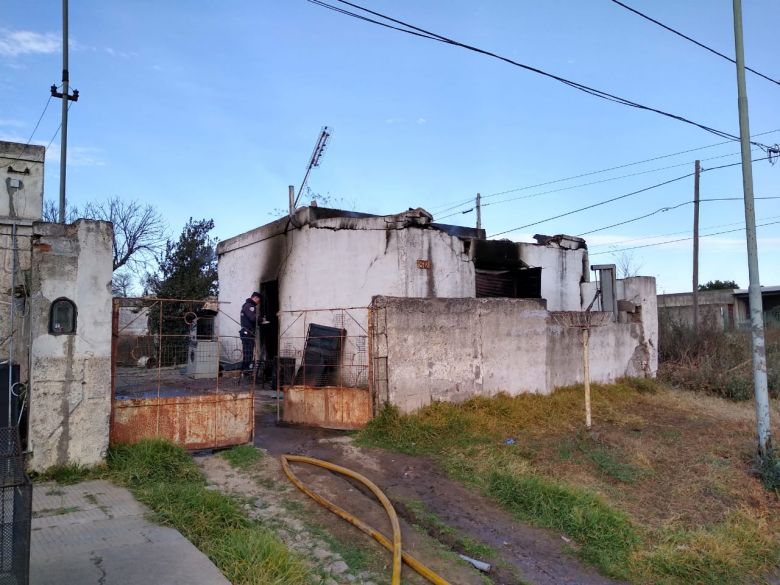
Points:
[347,271]
[723,309]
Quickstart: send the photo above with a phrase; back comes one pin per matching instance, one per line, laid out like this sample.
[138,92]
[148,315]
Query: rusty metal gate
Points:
[323,368]
[174,377]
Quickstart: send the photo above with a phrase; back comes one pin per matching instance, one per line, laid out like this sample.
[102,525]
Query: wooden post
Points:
[586,372]
[696,174]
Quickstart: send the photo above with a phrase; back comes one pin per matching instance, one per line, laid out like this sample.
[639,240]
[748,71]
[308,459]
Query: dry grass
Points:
[681,466]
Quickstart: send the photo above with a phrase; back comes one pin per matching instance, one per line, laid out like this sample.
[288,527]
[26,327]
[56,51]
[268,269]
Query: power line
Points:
[680,239]
[450,206]
[664,209]
[35,129]
[694,41]
[572,212]
[420,32]
[569,188]
[642,238]
[612,199]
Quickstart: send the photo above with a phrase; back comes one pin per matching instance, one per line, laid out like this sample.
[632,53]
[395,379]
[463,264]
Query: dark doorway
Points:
[269,332]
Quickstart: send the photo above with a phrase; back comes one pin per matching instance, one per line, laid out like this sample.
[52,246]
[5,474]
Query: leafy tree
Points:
[187,270]
[719,285]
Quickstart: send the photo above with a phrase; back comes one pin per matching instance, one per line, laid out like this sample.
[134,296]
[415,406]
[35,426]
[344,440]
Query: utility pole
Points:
[696,175]
[479,211]
[66,97]
[754,290]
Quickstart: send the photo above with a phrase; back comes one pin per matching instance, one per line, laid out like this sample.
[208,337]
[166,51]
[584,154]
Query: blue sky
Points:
[209,109]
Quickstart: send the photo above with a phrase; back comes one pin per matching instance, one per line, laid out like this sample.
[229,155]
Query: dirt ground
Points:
[520,554]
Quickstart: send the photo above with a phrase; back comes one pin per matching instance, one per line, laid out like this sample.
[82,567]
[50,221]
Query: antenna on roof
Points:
[314,161]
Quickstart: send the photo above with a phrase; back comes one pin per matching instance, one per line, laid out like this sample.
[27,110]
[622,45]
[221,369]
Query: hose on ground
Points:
[393,546]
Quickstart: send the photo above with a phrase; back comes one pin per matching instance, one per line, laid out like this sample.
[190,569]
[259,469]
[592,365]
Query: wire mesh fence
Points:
[170,364]
[324,348]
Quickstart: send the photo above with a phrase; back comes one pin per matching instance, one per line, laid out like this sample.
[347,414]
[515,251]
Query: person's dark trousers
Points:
[248,346]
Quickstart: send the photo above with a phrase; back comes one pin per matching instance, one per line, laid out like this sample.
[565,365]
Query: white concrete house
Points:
[320,260]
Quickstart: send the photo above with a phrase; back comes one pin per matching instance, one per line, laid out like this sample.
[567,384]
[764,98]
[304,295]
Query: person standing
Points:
[247,332]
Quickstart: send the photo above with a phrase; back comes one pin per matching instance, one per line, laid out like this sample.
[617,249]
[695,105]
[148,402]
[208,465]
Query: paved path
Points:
[95,533]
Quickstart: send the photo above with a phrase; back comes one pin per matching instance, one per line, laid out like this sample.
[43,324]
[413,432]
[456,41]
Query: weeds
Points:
[663,491]
[69,474]
[713,360]
[242,456]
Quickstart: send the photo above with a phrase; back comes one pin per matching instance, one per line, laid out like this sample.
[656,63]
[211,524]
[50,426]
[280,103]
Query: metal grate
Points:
[15,511]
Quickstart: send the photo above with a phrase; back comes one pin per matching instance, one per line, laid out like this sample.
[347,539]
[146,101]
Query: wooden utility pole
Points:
[479,211]
[696,175]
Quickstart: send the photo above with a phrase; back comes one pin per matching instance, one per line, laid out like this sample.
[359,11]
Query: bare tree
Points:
[140,231]
[627,264]
[51,212]
[121,283]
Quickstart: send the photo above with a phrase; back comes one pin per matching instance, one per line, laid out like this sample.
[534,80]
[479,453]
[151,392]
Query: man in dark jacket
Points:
[248,326]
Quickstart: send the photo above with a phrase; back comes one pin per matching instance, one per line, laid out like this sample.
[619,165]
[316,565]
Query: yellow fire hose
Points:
[394,546]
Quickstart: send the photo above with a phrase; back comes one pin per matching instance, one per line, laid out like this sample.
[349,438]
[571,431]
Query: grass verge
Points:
[164,477]
[661,492]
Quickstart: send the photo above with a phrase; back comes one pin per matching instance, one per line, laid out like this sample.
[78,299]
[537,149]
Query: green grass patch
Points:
[69,474]
[241,456]
[606,537]
[165,478]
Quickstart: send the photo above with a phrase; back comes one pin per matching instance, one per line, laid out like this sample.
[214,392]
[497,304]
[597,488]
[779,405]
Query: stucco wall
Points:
[70,383]
[562,272]
[21,180]
[326,266]
[451,349]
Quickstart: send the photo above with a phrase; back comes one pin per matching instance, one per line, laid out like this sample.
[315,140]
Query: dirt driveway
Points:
[520,554]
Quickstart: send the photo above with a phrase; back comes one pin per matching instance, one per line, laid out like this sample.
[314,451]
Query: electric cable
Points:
[655,236]
[612,199]
[420,32]
[569,188]
[680,239]
[694,41]
[668,208]
[32,134]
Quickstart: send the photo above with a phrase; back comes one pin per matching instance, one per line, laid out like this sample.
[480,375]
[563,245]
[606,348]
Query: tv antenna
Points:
[314,161]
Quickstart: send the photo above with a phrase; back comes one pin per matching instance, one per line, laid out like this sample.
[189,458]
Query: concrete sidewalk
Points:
[95,533]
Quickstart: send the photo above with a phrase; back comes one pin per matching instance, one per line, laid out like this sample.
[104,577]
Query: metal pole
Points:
[291,194]
[64,131]
[754,290]
[479,211]
[696,174]
[586,373]
[12,325]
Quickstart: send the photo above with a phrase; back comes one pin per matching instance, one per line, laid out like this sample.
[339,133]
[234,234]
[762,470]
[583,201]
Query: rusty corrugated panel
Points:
[331,407]
[203,421]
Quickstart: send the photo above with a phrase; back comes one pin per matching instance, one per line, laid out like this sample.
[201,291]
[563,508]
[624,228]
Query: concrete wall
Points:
[717,308]
[21,180]
[70,381]
[427,350]
[563,270]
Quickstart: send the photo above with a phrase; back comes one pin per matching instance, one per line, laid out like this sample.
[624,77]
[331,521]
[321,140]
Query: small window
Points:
[62,317]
